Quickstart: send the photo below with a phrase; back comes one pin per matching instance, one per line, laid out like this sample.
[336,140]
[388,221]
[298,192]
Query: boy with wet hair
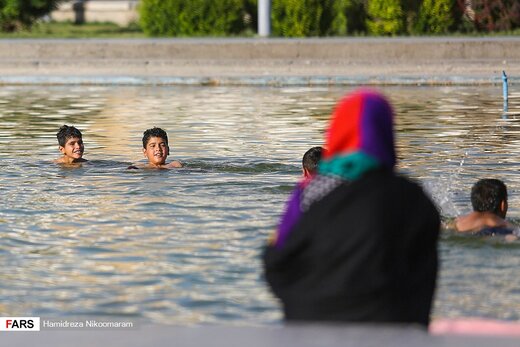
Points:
[156,149]
[70,143]
[310,161]
[489,201]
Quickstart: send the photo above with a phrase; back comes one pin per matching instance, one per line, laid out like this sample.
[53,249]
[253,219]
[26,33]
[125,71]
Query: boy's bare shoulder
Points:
[174,164]
[475,221]
[64,161]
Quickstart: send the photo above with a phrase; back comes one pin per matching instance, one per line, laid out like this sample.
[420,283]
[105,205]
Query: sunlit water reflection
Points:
[182,246]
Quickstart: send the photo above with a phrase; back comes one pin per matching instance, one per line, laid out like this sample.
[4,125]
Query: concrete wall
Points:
[439,60]
[121,12]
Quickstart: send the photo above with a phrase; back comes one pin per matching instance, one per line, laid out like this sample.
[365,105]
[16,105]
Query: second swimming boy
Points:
[156,149]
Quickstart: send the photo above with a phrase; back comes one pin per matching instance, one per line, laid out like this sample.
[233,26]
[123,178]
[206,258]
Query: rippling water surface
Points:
[182,246]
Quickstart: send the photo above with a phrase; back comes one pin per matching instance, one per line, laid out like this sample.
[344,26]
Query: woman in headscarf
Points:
[357,242]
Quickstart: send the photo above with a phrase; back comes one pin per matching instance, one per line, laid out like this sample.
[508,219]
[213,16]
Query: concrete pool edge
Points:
[274,81]
[263,62]
[297,335]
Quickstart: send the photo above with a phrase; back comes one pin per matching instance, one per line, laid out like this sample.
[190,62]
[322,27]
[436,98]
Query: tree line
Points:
[298,18]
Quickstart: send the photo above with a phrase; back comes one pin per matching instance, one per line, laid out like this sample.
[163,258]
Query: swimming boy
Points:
[310,161]
[71,145]
[156,149]
[489,201]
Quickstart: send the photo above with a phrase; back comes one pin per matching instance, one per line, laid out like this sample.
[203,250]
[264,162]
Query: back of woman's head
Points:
[362,122]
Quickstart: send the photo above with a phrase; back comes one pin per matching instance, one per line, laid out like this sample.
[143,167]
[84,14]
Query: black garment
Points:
[367,252]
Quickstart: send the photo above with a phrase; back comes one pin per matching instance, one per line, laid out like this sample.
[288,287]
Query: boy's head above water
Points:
[70,143]
[155,146]
[489,195]
[489,201]
[310,161]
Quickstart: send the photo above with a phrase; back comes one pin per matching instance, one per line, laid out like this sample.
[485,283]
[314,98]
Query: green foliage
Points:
[250,16]
[356,17]
[385,17]
[21,14]
[338,14]
[436,16]
[411,10]
[299,18]
[68,29]
[293,18]
[192,17]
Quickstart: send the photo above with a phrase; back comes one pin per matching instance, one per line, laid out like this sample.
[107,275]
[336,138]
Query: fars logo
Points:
[19,323]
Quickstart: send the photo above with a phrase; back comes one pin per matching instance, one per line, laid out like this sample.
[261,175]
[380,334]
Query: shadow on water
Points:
[240,166]
[467,240]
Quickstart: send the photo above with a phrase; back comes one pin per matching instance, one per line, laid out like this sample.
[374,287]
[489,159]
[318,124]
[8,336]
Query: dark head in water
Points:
[66,132]
[489,195]
[154,132]
[310,161]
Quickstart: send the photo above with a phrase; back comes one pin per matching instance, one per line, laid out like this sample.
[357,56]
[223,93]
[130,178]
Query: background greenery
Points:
[304,18]
[16,15]
[70,30]
[192,17]
[289,18]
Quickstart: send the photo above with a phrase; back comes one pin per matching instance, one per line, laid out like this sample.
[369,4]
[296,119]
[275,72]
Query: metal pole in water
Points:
[264,18]
[504,85]
[505,92]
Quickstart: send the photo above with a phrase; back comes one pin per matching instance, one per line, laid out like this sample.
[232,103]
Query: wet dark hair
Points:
[311,158]
[66,133]
[154,132]
[487,194]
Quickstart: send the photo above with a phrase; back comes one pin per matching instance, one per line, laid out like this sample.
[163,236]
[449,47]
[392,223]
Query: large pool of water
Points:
[183,246]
